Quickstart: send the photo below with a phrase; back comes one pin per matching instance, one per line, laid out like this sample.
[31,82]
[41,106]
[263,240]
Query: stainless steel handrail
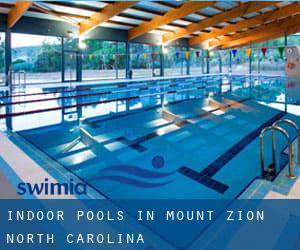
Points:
[72,144]
[262,149]
[294,125]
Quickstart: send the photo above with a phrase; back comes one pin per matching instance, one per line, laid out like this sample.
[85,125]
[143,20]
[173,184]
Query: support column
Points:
[162,61]
[8,78]
[285,45]
[207,62]
[285,39]
[250,62]
[117,60]
[8,64]
[62,61]
[230,61]
[79,66]
[127,59]
[220,63]
[188,61]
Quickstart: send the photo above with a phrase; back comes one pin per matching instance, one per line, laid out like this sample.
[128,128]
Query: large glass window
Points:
[240,62]
[196,62]
[71,57]
[225,61]
[2,58]
[214,62]
[35,58]
[293,39]
[144,60]
[99,60]
[121,60]
[273,63]
[140,60]
[103,59]
[175,61]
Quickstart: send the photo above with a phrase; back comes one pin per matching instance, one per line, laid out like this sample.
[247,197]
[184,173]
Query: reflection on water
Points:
[72,104]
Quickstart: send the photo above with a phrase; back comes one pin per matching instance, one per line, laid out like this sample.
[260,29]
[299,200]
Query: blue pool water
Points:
[166,139]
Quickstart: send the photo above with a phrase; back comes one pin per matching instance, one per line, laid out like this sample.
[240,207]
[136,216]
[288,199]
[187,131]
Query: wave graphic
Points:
[137,171]
[131,181]
[116,173]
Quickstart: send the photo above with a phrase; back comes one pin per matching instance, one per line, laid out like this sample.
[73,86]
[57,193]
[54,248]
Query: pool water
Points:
[152,155]
[192,138]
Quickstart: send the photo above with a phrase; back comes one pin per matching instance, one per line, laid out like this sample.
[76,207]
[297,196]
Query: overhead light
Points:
[82,45]
[165,50]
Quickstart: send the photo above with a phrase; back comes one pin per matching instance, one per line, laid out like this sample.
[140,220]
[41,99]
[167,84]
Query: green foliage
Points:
[19,61]
[48,58]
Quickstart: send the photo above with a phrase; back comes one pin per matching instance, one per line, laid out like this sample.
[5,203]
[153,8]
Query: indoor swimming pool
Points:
[177,138]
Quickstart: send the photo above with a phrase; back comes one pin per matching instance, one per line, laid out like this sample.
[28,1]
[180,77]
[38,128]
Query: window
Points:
[175,61]
[225,61]
[240,63]
[99,60]
[214,62]
[293,40]
[35,59]
[273,63]
[140,60]
[196,62]
[144,60]
[2,58]
[121,60]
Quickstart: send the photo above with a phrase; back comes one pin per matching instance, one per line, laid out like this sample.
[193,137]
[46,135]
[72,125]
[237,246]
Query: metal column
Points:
[127,59]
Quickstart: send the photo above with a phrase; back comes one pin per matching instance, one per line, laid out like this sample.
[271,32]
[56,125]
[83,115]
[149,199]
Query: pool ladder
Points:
[271,171]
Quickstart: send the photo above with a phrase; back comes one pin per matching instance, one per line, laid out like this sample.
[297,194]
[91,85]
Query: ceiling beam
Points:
[17,12]
[58,15]
[107,12]
[289,10]
[288,25]
[218,18]
[170,16]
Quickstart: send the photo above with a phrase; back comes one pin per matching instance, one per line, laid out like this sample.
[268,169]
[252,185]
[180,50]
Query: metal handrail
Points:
[290,150]
[70,145]
[294,125]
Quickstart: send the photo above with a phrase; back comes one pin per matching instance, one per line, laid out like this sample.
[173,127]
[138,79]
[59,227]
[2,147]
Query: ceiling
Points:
[211,24]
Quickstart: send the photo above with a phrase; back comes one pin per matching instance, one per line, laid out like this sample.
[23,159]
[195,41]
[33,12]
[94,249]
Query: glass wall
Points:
[71,57]
[99,60]
[35,59]
[38,59]
[175,61]
[2,58]
[144,60]
[240,62]
[272,63]
[121,60]
[293,39]
[225,61]
[214,61]
[196,62]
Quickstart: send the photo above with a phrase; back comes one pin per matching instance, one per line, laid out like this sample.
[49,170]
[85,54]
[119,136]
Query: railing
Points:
[272,167]
[294,125]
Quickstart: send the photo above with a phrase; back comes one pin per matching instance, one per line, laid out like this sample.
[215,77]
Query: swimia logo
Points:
[49,188]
